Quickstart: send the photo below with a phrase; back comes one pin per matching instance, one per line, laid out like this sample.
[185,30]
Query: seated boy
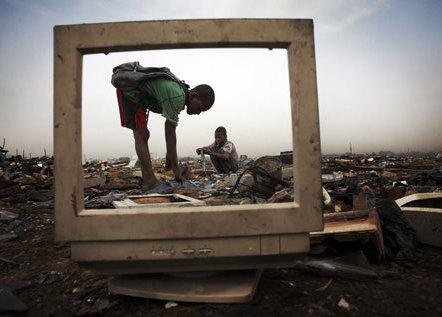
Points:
[222,152]
[166,97]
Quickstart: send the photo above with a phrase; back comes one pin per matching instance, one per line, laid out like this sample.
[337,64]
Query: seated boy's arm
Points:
[205,149]
[201,149]
[171,155]
[224,156]
[208,148]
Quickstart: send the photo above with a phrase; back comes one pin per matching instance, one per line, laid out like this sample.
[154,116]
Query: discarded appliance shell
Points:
[356,225]
[424,211]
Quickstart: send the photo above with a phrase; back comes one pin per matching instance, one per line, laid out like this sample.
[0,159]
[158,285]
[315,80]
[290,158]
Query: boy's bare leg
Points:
[141,137]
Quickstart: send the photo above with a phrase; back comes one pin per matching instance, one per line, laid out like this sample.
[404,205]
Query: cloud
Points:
[330,16]
[350,12]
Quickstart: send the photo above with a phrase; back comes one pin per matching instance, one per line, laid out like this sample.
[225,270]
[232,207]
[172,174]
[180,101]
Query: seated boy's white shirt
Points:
[228,147]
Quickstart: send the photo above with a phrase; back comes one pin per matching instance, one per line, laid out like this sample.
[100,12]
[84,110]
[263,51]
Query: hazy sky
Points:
[379,68]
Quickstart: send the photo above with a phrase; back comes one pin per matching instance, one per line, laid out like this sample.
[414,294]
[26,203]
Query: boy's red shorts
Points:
[132,115]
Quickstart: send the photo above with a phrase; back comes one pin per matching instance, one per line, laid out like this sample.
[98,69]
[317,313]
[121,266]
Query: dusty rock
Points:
[228,181]
[279,197]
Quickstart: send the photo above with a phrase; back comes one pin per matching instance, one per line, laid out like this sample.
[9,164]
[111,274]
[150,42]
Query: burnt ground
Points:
[40,273]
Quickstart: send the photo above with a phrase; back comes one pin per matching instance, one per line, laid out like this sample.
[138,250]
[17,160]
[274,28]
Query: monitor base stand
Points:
[204,287]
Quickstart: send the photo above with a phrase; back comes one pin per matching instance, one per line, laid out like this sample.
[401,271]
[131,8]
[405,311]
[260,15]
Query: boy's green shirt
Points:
[159,95]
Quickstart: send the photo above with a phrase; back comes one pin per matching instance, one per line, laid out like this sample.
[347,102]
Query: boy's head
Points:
[201,98]
[220,135]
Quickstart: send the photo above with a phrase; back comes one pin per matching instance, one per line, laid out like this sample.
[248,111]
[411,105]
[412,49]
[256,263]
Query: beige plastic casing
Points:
[186,238]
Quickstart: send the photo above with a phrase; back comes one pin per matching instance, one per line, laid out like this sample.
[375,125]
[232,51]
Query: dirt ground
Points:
[40,273]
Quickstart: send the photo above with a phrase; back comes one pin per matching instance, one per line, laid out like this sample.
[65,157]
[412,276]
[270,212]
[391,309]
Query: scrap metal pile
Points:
[353,186]
[369,209]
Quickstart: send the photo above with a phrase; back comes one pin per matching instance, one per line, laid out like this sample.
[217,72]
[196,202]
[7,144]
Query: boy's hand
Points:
[198,151]
[206,150]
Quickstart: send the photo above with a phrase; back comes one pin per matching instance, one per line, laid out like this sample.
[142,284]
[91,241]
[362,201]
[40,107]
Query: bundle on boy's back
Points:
[129,75]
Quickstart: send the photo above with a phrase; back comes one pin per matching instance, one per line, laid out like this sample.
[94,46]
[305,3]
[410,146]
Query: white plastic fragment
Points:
[343,304]
[170,305]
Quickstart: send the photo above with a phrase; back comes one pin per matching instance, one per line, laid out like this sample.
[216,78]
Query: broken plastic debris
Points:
[170,305]
[343,304]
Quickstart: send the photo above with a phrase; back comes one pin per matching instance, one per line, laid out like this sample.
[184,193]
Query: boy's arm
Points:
[171,155]
[224,156]
[205,149]
[226,150]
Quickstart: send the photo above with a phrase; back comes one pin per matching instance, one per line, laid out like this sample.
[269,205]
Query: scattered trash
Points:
[98,306]
[424,212]
[286,157]
[351,267]
[12,225]
[399,235]
[7,216]
[361,226]
[170,305]
[353,186]
[105,200]
[323,288]
[334,177]
[279,197]
[288,283]
[49,277]
[4,261]
[94,181]
[326,197]
[343,304]
[8,237]
[103,304]
[382,164]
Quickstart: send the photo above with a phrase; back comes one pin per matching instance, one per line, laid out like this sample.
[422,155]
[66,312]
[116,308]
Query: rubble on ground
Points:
[358,192]
[351,185]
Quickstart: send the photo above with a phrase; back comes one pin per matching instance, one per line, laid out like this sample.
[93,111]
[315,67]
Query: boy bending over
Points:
[166,97]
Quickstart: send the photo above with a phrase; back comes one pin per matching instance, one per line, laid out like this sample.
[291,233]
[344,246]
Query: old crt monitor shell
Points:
[118,241]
